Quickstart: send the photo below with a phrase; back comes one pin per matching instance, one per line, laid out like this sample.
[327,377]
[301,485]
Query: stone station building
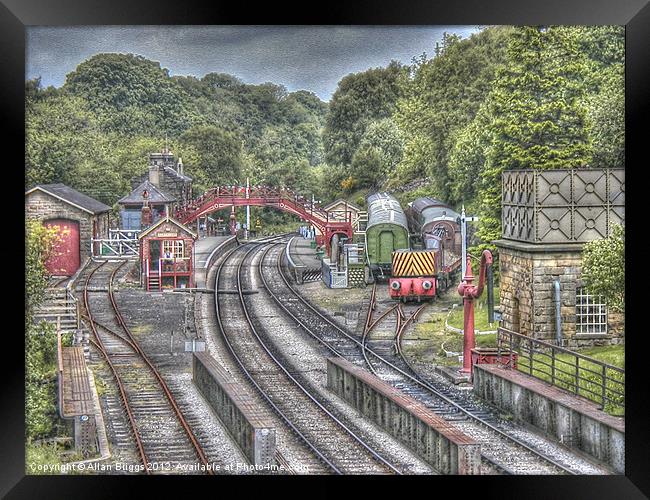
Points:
[166,187]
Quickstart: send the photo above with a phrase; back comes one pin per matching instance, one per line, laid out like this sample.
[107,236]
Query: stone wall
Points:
[574,421]
[528,273]
[42,206]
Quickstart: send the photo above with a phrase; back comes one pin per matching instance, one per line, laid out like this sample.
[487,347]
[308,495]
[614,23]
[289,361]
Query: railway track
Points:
[331,440]
[505,449]
[157,427]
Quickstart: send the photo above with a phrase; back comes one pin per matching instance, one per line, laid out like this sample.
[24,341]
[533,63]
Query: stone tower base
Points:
[528,298]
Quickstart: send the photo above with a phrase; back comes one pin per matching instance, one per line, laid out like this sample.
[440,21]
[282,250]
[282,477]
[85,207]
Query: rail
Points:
[411,375]
[217,251]
[583,375]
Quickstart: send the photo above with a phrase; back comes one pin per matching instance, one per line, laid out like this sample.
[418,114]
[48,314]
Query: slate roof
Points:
[155,195]
[72,197]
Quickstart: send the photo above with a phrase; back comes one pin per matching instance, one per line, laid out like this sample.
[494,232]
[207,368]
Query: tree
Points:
[219,154]
[536,117]
[603,268]
[55,128]
[386,138]
[132,94]
[441,96]
[606,114]
[366,169]
[359,99]
[467,159]
[39,243]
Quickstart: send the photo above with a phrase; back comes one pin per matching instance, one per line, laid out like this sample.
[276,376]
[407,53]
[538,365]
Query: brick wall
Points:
[41,206]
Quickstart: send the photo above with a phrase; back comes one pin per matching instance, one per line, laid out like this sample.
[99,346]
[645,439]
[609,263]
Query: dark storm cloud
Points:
[313,58]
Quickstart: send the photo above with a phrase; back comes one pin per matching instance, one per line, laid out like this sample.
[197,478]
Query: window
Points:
[176,248]
[591,313]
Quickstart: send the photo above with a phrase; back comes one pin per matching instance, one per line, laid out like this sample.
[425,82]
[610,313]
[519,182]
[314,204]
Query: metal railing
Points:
[59,305]
[585,376]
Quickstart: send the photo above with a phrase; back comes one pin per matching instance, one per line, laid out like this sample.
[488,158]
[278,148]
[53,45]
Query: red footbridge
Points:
[218,198]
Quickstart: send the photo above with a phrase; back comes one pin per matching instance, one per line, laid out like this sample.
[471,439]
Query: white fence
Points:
[120,243]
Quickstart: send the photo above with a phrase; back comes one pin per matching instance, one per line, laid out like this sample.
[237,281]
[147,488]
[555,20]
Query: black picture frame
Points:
[15,15]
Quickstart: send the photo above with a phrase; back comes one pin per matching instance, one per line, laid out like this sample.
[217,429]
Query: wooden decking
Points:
[76,394]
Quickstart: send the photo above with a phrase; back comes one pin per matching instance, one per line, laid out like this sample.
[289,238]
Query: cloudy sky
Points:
[312,58]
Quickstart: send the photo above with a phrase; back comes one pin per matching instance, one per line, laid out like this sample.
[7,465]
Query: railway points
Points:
[525,453]
[259,324]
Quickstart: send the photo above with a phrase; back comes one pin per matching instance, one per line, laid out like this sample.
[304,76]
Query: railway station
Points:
[348,283]
[406,272]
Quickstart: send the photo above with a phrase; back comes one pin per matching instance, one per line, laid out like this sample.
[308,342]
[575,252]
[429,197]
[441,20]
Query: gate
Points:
[120,243]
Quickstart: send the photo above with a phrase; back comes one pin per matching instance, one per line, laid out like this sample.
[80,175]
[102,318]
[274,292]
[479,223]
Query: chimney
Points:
[179,166]
[154,175]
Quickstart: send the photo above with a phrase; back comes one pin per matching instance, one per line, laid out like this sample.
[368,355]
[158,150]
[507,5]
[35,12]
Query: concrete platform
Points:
[301,253]
[204,250]
[249,425]
[439,442]
[79,401]
[575,421]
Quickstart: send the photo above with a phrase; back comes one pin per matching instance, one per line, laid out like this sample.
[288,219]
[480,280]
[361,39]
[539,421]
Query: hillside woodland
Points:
[445,125]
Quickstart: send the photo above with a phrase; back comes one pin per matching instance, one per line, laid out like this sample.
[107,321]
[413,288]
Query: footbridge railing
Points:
[264,196]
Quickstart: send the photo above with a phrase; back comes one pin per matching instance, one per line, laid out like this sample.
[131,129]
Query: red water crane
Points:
[470,292]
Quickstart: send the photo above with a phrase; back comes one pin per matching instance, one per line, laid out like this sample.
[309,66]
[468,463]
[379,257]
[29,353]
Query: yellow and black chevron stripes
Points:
[414,263]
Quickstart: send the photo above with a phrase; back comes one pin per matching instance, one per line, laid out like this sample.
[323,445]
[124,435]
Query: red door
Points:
[65,255]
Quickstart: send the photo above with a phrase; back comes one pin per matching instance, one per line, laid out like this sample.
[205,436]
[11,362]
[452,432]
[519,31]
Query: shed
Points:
[166,255]
[78,218]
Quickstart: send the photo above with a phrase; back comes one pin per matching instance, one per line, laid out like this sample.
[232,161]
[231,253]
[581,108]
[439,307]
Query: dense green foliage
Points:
[506,97]
[40,339]
[536,118]
[604,268]
[358,137]
[442,95]
[39,241]
[95,132]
